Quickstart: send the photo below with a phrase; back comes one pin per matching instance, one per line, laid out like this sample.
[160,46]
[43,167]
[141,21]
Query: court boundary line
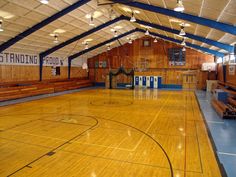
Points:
[106,158]
[149,136]
[209,135]
[46,154]
[133,127]
[197,137]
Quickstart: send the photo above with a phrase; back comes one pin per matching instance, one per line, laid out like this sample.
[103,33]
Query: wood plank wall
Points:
[230,78]
[12,73]
[130,54]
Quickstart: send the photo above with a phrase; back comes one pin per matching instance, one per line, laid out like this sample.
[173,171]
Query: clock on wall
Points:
[146,43]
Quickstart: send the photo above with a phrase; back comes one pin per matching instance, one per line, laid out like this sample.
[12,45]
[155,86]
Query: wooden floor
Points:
[104,133]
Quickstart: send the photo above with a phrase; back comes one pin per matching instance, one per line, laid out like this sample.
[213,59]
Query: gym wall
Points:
[157,54]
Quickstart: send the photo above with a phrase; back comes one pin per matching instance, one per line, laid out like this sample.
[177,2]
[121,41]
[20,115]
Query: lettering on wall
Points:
[11,58]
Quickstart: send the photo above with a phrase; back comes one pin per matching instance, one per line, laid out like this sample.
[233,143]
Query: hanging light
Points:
[179,6]
[55,38]
[115,34]
[182,32]
[86,46]
[184,49]
[183,43]
[108,47]
[91,21]
[132,19]
[1,28]
[44,1]
[155,40]
[130,41]
[147,32]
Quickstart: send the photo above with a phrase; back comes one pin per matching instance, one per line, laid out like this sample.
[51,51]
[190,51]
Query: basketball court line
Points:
[101,157]
[195,124]
[17,141]
[18,125]
[150,123]
[125,161]
[225,153]
[155,118]
[54,149]
[215,122]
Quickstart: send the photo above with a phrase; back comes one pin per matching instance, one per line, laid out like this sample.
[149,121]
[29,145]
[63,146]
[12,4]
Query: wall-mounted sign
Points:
[96,64]
[146,43]
[100,64]
[232,70]
[176,57]
[11,58]
[104,64]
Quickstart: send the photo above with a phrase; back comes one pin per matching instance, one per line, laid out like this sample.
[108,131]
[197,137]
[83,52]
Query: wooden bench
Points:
[39,88]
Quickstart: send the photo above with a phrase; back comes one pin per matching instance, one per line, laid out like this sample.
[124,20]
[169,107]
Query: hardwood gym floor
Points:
[107,133]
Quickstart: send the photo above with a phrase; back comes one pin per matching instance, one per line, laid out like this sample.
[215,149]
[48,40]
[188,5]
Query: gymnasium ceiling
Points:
[20,15]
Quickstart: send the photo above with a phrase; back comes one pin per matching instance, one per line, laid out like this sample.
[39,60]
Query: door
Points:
[144,81]
[189,81]
[136,80]
[155,81]
[151,82]
[140,81]
[148,81]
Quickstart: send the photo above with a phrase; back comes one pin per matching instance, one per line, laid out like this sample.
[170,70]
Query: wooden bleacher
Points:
[16,90]
[226,110]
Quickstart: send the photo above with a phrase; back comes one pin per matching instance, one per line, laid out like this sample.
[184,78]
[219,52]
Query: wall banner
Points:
[11,58]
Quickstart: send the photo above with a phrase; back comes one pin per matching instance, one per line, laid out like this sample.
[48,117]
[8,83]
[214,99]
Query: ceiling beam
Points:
[43,23]
[211,42]
[80,36]
[204,49]
[220,45]
[101,44]
[184,16]
[213,52]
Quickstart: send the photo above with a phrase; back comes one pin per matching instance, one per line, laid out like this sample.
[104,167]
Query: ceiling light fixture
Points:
[108,47]
[179,6]
[132,19]
[86,46]
[1,27]
[130,41]
[55,39]
[44,1]
[115,34]
[155,40]
[91,21]
[182,32]
[184,49]
[147,32]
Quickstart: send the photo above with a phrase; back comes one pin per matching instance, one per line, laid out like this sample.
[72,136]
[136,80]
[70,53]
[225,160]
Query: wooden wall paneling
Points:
[220,74]
[158,56]
[11,73]
[231,78]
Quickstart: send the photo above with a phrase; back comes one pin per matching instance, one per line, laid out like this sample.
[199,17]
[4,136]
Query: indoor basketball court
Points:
[108,88]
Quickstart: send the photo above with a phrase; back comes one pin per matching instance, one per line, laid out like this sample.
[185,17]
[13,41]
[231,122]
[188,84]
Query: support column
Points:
[69,67]
[40,67]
